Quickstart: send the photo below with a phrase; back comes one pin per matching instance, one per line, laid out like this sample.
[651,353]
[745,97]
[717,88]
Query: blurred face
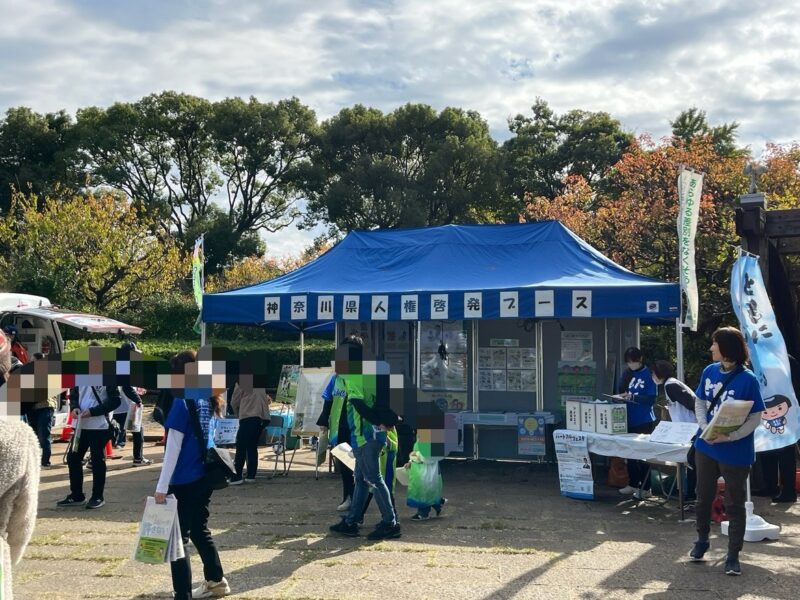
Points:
[656,380]
[715,354]
[634,366]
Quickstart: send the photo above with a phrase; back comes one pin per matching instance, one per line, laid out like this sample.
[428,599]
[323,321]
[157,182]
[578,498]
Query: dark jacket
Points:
[103,408]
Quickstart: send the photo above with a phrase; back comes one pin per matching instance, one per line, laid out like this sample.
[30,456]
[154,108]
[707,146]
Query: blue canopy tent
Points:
[536,270]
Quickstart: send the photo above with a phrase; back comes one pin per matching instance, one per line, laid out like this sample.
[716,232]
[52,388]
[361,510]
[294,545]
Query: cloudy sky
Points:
[642,61]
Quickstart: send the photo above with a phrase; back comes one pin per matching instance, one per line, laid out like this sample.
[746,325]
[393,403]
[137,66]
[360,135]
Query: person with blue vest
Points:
[369,420]
[729,456]
[641,394]
[333,420]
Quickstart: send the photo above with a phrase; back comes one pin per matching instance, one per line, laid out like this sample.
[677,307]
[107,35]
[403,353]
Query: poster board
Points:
[531,435]
[309,403]
[287,384]
[574,467]
[225,431]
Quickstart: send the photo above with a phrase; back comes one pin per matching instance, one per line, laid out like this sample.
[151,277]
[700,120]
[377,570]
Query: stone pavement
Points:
[505,533]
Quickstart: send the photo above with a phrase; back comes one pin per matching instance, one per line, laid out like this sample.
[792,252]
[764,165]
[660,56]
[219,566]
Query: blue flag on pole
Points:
[780,422]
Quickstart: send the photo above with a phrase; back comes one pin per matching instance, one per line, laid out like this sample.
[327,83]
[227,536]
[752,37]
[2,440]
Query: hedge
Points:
[318,353]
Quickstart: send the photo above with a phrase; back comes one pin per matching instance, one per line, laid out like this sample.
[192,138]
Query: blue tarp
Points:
[528,270]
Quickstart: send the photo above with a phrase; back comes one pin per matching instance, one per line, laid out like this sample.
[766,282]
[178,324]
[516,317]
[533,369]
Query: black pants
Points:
[775,464]
[348,483]
[708,471]
[193,502]
[638,469]
[93,440]
[247,445]
[138,437]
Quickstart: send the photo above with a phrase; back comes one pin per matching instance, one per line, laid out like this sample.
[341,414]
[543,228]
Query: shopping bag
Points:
[424,484]
[133,422]
[617,472]
[159,539]
[401,474]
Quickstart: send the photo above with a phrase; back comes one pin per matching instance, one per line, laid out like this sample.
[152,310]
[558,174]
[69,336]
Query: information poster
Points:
[574,466]
[492,380]
[287,384]
[577,346]
[521,380]
[576,381]
[399,363]
[449,333]
[437,373]
[530,436]
[396,337]
[521,358]
[225,432]
[309,400]
[362,329]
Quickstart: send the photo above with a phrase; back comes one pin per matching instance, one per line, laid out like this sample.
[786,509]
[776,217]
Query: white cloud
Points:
[642,61]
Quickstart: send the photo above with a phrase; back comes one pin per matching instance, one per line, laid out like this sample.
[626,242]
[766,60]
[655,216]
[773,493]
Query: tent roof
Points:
[372,275]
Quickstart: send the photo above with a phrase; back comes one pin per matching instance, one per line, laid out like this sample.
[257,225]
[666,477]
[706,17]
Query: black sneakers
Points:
[70,501]
[698,551]
[385,532]
[345,528]
[732,566]
[95,503]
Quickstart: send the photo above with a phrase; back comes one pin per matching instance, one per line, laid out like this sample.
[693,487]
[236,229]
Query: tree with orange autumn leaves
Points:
[632,215]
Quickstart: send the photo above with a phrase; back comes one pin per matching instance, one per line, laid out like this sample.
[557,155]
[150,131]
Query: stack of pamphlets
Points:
[729,416]
[159,538]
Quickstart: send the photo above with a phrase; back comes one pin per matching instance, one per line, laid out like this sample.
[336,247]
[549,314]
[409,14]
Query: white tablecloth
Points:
[636,446]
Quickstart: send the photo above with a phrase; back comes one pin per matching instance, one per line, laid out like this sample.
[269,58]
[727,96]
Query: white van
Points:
[37,322]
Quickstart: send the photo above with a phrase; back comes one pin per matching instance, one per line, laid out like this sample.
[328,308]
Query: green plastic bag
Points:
[424,484]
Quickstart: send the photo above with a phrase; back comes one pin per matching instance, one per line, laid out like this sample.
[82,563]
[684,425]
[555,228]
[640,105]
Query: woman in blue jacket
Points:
[730,456]
[641,394]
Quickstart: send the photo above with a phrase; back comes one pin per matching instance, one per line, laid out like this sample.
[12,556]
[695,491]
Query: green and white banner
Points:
[690,189]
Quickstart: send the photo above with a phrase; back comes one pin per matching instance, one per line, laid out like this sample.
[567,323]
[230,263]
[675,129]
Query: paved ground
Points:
[505,533]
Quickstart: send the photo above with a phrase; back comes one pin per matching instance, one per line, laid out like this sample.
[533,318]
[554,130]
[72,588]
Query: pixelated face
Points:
[775,412]
[349,359]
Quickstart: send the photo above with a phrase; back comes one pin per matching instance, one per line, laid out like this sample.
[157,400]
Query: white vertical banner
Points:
[780,422]
[690,189]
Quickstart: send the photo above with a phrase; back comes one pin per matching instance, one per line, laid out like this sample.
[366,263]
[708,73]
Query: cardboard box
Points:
[611,418]
[573,415]
[588,417]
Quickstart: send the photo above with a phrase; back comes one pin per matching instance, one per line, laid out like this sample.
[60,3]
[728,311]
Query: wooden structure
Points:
[774,235]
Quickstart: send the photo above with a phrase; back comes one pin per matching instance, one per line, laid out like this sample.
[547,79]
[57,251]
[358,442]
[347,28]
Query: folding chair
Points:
[278,442]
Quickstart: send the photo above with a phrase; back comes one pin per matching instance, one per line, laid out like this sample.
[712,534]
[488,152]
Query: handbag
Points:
[217,462]
[690,455]
[113,427]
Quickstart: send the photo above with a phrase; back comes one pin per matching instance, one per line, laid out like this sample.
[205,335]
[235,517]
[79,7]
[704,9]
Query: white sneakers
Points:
[212,589]
[344,505]
[628,490]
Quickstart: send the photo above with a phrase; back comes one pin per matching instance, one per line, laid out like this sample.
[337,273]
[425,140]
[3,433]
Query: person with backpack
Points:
[183,475]
[729,456]
[91,407]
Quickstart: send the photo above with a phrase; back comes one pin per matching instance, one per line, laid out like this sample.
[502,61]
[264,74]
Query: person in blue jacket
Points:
[730,456]
[641,394]
[182,474]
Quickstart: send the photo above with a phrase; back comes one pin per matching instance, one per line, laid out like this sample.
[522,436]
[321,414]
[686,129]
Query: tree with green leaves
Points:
[37,154]
[546,149]
[692,124]
[411,167]
[89,253]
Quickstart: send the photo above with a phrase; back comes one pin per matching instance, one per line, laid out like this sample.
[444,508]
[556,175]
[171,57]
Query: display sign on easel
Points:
[308,402]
